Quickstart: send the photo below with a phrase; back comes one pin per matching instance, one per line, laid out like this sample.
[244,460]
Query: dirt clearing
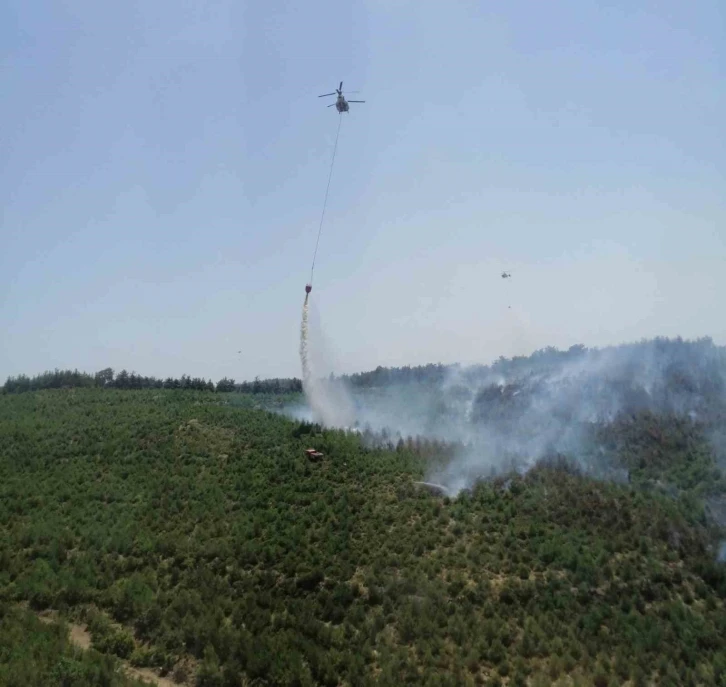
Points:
[81,638]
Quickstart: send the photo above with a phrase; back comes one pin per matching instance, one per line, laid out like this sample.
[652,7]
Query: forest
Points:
[109,379]
[191,535]
[33,652]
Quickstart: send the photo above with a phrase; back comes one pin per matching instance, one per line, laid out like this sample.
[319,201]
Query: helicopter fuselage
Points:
[341,104]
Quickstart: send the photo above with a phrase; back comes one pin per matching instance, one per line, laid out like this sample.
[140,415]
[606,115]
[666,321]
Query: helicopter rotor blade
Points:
[356,101]
[340,88]
[325,95]
[331,105]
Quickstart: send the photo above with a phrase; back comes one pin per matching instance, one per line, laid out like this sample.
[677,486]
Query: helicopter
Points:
[506,275]
[341,103]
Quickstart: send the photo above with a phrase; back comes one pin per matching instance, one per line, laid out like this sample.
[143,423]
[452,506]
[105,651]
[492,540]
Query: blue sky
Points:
[164,165]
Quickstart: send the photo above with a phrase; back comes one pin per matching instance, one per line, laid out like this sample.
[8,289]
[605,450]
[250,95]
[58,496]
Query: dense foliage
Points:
[188,525]
[108,379]
[36,653]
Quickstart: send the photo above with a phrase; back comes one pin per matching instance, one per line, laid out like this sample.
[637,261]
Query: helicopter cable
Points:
[325,202]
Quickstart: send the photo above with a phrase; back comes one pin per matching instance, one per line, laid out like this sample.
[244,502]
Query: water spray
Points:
[304,331]
[304,343]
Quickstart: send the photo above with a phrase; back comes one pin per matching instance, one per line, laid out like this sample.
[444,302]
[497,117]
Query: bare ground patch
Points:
[81,637]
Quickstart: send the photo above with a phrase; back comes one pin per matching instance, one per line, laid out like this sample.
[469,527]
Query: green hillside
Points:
[38,653]
[188,529]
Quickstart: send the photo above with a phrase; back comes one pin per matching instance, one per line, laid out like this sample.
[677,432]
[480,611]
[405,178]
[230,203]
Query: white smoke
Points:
[515,412]
[546,404]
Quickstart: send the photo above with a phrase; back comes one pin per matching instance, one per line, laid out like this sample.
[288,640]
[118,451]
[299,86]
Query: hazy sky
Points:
[163,167]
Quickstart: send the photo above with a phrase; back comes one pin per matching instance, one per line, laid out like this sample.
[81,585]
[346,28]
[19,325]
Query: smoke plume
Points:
[515,412]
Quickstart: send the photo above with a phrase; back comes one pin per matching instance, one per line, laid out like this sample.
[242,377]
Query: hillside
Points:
[36,652]
[656,396]
[192,535]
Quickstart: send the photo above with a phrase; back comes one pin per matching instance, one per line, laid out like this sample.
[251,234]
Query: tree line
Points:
[109,379]
[681,363]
